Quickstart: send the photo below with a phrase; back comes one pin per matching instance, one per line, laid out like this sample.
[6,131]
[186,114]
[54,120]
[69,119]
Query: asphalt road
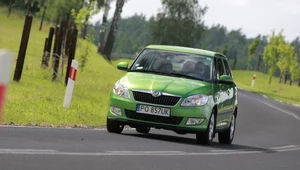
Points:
[267,138]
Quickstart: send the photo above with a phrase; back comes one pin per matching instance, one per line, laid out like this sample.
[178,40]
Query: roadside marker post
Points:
[6,58]
[70,85]
[253,80]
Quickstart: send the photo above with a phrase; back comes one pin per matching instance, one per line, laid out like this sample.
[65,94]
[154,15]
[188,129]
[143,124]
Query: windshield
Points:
[172,63]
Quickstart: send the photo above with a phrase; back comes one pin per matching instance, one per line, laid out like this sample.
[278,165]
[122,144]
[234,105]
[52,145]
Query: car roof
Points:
[186,50]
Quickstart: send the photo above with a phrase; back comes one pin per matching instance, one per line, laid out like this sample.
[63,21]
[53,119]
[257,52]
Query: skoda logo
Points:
[156,93]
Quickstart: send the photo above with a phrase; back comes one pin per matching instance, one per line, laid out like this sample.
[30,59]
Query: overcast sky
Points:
[252,16]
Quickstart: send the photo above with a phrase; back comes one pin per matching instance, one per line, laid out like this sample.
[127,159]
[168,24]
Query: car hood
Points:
[168,84]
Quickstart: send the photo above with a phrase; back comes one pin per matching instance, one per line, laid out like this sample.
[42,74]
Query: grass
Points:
[283,92]
[36,100]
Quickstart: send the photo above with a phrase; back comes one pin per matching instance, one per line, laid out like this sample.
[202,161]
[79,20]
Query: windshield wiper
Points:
[164,73]
[186,76]
[146,71]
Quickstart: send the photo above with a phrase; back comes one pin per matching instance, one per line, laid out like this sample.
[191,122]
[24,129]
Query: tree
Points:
[42,4]
[252,50]
[214,36]
[225,50]
[285,58]
[271,53]
[294,69]
[11,2]
[93,7]
[32,6]
[113,29]
[101,43]
[179,23]
[259,51]
[83,15]
[61,9]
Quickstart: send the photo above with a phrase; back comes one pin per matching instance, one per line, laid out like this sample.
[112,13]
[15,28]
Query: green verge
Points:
[275,90]
[36,100]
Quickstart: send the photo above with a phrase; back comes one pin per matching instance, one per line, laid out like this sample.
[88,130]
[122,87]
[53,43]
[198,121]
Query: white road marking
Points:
[296,105]
[60,128]
[26,150]
[283,111]
[284,147]
[230,150]
[276,149]
[143,153]
[288,149]
[279,109]
[146,152]
[265,96]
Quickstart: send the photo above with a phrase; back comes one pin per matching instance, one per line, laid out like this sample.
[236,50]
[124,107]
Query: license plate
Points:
[151,110]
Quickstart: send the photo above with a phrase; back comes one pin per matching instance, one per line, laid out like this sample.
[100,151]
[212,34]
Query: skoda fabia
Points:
[182,89]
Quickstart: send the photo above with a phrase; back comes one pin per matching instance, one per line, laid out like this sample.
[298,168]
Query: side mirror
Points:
[122,66]
[226,79]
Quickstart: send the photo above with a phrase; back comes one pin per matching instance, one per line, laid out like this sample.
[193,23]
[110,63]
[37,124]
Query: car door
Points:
[220,91]
[230,92]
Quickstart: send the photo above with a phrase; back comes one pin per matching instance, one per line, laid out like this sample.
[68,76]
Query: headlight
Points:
[121,90]
[196,100]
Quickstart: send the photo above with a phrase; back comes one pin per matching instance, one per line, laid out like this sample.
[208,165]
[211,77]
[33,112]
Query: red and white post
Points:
[6,58]
[70,85]
[253,80]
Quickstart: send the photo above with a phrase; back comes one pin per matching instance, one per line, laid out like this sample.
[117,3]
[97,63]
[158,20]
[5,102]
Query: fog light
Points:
[115,110]
[194,121]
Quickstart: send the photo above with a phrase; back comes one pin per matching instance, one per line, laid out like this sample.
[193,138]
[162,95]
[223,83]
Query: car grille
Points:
[174,120]
[162,100]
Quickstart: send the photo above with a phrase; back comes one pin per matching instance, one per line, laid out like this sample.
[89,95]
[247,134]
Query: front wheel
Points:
[205,138]
[143,129]
[227,136]
[113,127]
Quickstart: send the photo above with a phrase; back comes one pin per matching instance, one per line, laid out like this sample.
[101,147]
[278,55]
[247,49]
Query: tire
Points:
[113,127]
[205,138]
[227,136]
[143,129]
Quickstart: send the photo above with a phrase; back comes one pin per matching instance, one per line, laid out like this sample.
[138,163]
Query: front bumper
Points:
[176,122]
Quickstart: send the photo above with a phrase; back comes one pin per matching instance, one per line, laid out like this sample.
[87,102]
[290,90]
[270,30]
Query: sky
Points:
[252,16]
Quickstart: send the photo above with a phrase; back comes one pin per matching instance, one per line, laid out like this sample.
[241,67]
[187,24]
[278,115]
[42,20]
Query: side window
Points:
[220,68]
[227,68]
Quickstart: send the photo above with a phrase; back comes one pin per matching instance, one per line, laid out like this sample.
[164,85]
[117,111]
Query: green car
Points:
[182,89]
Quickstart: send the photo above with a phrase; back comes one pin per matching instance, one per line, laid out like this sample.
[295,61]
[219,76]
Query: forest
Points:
[134,33]
[126,36]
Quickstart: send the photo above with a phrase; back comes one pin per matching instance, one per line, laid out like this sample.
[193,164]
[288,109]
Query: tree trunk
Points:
[285,78]
[42,19]
[101,43]
[9,7]
[57,21]
[84,28]
[258,62]
[280,78]
[234,63]
[28,10]
[299,82]
[113,29]
[291,82]
[270,79]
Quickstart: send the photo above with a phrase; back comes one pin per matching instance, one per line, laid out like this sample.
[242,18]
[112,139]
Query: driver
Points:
[163,64]
[202,69]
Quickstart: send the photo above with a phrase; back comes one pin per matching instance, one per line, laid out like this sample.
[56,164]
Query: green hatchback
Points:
[182,89]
